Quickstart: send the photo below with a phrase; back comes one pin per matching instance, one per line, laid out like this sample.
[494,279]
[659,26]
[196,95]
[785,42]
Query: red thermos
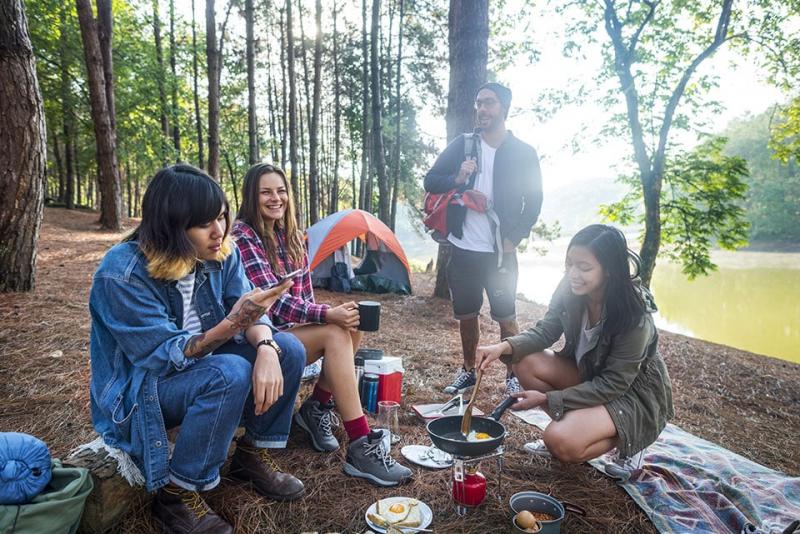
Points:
[472,490]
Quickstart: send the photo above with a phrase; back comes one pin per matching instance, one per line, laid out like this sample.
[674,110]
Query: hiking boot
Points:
[368,457]
[182,511]
[623,468]
[311,371]
[512,385]
[537,448]
[462,382]
[317,419]
[256,466]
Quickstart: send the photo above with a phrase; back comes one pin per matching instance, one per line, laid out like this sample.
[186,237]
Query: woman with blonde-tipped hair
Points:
[179,338]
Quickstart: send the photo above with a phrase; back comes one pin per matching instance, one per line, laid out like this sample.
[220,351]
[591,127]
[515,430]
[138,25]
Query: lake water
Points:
[751,302]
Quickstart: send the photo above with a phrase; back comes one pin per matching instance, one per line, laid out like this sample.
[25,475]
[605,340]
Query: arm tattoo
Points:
[247,314]
[197,346]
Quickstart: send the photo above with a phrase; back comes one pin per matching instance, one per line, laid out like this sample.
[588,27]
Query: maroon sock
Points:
[319,394]
[357,427]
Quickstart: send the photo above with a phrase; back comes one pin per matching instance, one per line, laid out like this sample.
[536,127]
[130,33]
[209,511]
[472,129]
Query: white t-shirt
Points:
[478,233]
[587,337]
[191,321]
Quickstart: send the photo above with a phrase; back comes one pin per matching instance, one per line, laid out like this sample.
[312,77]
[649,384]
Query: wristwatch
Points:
[271,343]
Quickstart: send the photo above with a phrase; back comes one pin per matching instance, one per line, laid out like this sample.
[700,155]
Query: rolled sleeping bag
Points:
[25,467]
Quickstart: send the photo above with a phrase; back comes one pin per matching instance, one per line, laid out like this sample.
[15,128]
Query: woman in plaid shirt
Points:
[271,246]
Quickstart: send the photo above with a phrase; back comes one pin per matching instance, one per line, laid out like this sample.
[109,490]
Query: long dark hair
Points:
[623,303]
[250,213]
[178,197]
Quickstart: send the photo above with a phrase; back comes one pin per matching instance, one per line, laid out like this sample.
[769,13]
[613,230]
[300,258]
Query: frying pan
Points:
[445,432]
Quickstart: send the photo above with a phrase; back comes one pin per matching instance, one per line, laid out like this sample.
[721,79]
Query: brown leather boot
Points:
[182,511]
[256,466]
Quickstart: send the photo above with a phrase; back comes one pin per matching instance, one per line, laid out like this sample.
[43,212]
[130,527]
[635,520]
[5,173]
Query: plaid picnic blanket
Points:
[688,484]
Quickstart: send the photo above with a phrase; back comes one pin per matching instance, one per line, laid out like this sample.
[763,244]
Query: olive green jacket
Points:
[625,365]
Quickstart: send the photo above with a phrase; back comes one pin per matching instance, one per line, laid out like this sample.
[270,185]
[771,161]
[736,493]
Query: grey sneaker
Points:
[512,385]
[462,382]
[317,420]
[623,468]
[537,448]
[368,457]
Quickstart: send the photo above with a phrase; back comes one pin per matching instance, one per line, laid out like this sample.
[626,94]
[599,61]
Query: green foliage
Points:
[701,205]
[786,132]
[773,197]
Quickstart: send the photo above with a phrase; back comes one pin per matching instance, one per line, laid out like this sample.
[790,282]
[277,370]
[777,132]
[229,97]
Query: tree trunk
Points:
[272,102]
[337,91]
[173,83]
[252,124]
[105,136]
[105,33]
[398,115]
[313,131]
[162,93]
[212,62]
[66,110]
[292,112]
[378,154]
[59,167]
[284,93]
[365,201]
[195,77]
[468,44]
[23,151]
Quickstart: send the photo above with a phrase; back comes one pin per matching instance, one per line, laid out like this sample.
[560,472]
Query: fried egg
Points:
[477,436]
[406,512]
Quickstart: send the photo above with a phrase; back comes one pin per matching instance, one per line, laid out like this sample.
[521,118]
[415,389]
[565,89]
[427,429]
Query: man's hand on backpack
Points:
[468,167]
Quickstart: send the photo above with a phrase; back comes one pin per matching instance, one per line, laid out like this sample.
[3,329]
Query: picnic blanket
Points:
[688,484]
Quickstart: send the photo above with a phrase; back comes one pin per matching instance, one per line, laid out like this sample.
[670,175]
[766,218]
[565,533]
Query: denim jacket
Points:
[137,337]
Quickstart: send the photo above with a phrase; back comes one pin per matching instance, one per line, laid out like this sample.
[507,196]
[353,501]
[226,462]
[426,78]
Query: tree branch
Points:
[635,39]
[677,93]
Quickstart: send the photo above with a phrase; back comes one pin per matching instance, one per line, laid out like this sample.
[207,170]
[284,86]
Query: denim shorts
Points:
[469,273]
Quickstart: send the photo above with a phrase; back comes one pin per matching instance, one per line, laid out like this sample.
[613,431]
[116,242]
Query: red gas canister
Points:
[471,491]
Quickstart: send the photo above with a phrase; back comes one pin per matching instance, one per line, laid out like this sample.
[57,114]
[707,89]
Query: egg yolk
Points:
[397,508]
[482,435]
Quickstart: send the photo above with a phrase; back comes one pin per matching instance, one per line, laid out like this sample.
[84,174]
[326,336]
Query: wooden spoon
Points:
[466,421]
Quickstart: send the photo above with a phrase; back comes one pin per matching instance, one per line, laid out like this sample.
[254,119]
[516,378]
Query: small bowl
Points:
[536,528]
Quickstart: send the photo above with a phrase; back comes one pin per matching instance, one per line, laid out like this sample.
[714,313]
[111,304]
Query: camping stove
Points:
[469,484]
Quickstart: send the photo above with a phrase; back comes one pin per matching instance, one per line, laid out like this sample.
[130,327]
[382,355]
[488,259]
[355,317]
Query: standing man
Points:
[496,167]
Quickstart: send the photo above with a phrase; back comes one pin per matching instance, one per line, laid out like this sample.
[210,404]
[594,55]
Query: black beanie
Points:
[503,94]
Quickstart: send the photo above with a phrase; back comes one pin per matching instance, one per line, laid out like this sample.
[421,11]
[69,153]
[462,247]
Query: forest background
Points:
[337,93]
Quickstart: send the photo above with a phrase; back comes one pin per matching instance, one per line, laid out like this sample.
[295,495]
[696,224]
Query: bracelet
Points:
[271,343]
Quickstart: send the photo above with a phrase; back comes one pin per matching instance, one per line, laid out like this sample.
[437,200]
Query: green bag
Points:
[57,510]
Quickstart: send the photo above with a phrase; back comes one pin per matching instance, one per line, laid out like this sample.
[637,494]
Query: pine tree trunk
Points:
[105,34]
[284,93]
[468,42]
[313,132]
[66,110]
[105,136]
[173,83]
[212,61]
[162,93]
[23,151]
[337,128]
[378,154]
[292,112]
[365,202]
[398,115]
[195,81]
[252,124]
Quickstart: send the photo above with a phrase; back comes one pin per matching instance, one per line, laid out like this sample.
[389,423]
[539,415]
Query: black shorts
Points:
[470,273]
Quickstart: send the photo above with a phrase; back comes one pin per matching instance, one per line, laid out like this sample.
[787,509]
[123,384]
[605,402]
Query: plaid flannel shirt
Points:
[296,305]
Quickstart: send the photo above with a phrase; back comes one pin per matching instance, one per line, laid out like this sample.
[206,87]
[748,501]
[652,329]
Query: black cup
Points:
[369,315]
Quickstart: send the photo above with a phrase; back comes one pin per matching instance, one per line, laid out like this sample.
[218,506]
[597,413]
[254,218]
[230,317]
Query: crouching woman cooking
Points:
[179,338]
[608,387]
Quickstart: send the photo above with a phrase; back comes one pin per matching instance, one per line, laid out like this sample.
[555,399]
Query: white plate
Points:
[419,454]
[426,515]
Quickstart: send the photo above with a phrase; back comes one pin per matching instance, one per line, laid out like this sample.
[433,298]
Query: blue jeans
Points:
[210,398]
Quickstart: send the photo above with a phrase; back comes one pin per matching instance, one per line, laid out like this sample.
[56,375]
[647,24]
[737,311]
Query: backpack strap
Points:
[472,149]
